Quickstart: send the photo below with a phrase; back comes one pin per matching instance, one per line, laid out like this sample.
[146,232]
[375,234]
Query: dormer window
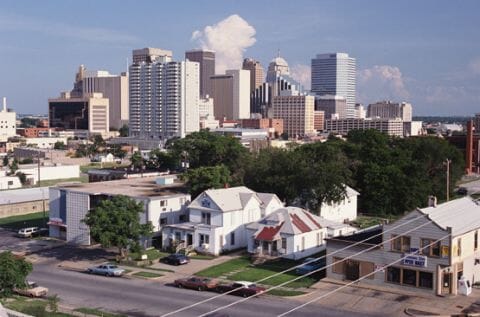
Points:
[205,203]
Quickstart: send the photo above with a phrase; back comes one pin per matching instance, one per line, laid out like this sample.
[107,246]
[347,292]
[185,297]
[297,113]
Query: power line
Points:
[323,268]
[357,280]
[292,268]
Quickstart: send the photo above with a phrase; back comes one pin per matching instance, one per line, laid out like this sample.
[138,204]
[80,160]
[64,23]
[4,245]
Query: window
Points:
[409,277]
[429,247]
[163,203]
[475,241]
[163,221]
[284,243]
[206,217]
[232,238]
[203,239]
[393,275]
[182,218]
[303,243]
[459,247]
[178,236]
[425,280]
[400,243]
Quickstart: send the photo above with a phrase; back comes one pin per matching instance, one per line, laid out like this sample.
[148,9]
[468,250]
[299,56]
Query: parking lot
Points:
[10,242]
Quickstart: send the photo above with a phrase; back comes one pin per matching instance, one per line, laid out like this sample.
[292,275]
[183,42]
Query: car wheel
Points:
[244,295]
[200,288]
[179,285]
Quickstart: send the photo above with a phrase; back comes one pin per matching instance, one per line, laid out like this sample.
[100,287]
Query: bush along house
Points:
[433,249]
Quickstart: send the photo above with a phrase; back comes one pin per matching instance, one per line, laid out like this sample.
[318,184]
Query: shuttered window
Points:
[367,268]
[338,266]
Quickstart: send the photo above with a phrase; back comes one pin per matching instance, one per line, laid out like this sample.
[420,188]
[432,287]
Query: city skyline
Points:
[419,59]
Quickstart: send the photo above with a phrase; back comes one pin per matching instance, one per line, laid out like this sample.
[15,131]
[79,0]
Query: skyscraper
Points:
[164,97]
[256,72]
[231,95]
[390,110]
[206,59]
[334,74]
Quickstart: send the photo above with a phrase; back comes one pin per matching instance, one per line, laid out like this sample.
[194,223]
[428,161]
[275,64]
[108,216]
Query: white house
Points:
[217,219]
[291,232]
[49,172]
[9,182]
[342,211]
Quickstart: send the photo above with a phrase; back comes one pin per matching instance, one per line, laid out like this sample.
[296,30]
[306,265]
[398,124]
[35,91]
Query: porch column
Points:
[270,248]
[438,284]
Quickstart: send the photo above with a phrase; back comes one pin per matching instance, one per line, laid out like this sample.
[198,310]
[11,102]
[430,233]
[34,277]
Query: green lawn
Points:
[240,269]
[97,312]
[30,220]
[147,274]
[35,308]
[368,221]
[202,257]
[53,182]
[227,267]
[152,254]
[97,165]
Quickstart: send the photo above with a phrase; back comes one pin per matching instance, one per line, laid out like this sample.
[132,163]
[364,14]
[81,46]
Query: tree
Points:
[22,177]
[59,145]
[13,272]
[137,160]
[203,178]
[5,160]
[124,131]
[14,166]
[162,160]
[117,151]
[115,222]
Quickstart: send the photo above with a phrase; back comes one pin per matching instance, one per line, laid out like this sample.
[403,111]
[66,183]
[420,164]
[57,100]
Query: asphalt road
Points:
[136,297]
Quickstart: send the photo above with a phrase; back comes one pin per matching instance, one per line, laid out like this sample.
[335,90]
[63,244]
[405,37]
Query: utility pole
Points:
[447,163]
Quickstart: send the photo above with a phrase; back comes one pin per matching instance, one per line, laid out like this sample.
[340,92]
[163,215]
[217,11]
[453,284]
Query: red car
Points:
[198,283]
[244,289]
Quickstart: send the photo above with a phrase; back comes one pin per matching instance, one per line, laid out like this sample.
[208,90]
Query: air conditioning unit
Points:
[204,246]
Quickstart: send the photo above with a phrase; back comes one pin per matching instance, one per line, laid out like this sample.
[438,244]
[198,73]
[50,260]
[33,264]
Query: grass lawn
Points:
[202,257]
[22,221]
[285,292]
[96,165]
[97,312]
[53,182]
[244,271]
[147,274]
[35,308]
[224,268]
[152,254]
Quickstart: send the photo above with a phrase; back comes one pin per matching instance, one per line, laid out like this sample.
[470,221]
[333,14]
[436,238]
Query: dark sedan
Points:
[244,289]
[175,259]
[198,283]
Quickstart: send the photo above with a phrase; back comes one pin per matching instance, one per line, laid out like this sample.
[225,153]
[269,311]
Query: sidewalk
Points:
[389,301]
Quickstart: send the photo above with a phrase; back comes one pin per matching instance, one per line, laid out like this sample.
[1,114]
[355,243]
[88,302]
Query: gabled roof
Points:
[288,220]
[351,192]
[462,215]
[266,198]
[227,199]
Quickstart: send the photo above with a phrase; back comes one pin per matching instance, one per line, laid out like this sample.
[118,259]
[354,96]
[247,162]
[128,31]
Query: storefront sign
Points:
[415,260]
[445,251]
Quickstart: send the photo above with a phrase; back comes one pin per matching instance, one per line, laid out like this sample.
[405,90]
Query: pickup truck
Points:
[32,290]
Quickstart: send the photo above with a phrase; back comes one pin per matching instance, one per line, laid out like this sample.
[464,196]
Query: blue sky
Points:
[425,52]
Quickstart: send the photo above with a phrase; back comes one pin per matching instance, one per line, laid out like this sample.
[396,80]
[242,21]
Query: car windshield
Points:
[113,266]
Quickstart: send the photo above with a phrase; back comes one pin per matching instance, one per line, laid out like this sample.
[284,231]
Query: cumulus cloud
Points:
[382,82]
[229,38]
[302,74]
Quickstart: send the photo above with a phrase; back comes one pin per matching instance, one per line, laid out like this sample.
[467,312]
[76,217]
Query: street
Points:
[137,297]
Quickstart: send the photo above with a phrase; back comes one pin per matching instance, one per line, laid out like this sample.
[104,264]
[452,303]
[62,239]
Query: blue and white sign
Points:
[415,260]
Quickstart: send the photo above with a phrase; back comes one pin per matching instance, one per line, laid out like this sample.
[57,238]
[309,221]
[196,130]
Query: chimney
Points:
[432,201]
[5,104]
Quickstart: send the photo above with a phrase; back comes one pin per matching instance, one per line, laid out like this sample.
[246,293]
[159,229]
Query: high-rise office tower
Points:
[332,105]
[390,110]
[334,74]
[256,72]
[164,97]
[206,59]
[231,95]
[150,55]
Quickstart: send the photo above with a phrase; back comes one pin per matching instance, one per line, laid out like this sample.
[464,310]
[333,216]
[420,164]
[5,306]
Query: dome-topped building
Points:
[277,67]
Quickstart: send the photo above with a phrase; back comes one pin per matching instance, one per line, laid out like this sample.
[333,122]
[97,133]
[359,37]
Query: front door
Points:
[446,283]
[352,270]
[189,239]
[265,247]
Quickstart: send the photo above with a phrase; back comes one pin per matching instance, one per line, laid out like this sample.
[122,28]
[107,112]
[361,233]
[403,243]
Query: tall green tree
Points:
[115,222]
[137,160]
[203,178]
[123,131]
[13,273]
[161,160]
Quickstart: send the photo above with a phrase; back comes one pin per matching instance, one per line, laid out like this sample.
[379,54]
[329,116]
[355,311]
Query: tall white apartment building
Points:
[391,110]
[334,74]
[7,122]
[164,97]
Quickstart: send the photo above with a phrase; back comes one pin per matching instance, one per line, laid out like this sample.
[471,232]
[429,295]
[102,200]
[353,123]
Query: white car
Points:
[106,269]
[32,290]
[28,232]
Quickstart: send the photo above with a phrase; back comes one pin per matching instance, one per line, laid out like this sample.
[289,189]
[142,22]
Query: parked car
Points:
[28,232]
[175,259]
[198,283]
[462,191]
[32,290]
[241,288]
[106,269]
[311,264]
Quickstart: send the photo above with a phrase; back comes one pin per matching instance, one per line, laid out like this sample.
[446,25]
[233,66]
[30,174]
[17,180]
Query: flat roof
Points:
[16,196]
[133,187]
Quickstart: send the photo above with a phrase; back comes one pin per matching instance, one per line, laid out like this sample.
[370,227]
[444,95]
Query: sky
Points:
[424,52]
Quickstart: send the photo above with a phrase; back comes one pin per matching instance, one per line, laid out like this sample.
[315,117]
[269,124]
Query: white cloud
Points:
[229,39]
[302,73]
[21,23]
[381,82]
[474,66]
